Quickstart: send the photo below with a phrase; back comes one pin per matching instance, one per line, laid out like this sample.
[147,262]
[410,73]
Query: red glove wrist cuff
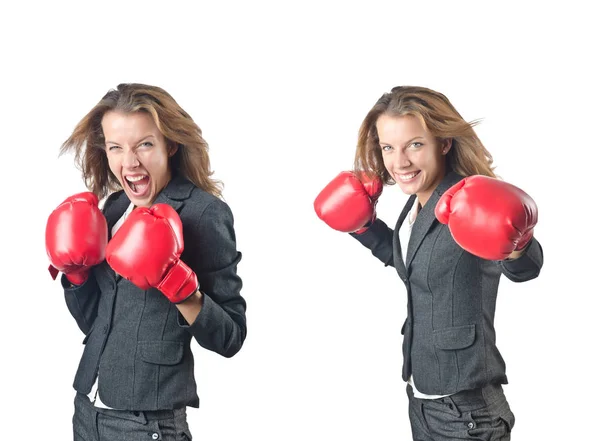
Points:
[368,224]
[179,283]
[77,278]
[525,239]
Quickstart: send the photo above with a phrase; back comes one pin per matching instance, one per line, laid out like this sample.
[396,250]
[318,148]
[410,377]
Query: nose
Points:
[401,159]
[130,159]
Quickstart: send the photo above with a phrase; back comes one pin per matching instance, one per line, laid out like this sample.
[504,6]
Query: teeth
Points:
[408,177]
[135,178]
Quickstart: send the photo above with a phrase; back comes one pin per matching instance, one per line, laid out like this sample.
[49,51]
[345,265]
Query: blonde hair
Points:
[467,156]
[191,159]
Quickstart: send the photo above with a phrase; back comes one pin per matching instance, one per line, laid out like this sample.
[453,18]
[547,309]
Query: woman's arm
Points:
[378,238]
[526,265]
[82,301]
[215,315]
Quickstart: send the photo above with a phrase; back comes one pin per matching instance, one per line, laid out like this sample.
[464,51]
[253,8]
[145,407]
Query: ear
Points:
[173,147]
[446,145]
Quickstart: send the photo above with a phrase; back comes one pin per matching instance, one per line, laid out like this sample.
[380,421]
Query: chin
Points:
[409,189]
[405,190]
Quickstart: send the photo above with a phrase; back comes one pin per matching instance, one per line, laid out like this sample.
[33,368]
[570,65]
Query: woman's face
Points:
[137,155]
[411,154]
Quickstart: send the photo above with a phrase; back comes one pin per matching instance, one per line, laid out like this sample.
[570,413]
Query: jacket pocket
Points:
[451,339]
[457,356]
[166,353]
[160,378]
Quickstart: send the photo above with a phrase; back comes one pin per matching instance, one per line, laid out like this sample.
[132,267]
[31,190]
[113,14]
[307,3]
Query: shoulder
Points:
[195,206]
[206,206]
[208,220]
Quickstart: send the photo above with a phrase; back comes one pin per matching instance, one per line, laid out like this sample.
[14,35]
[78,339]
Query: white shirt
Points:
[404,233]
[93,395]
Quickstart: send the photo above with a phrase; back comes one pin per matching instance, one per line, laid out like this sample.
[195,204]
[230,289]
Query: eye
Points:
[112,147]
[415,145]
[386,148]
[146,144]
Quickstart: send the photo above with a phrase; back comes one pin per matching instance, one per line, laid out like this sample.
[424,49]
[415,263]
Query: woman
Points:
[170,267]
[460,230]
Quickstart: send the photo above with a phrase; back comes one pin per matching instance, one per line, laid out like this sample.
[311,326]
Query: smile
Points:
[408,177]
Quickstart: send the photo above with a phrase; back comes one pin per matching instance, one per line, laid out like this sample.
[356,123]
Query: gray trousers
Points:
[478,414]
[94,424]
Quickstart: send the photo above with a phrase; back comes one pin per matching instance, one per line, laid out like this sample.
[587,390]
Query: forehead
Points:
[124,124]
[400,127]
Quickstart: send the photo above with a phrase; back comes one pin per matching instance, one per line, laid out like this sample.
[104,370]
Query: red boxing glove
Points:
[347,203]
[146,251]
[76,237]
[488,217]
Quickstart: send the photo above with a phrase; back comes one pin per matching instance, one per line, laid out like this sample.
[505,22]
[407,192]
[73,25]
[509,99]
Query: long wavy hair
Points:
[179,129]
[467,156]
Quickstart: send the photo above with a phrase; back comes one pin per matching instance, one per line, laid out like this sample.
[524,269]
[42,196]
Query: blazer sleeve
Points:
[378,238]
[527,266]
[212,255]
[82,301]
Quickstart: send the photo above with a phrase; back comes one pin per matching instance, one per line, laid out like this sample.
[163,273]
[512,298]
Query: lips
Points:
[138,184]
[405,177]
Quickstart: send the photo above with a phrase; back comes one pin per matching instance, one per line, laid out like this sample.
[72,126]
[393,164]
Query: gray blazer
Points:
[449,338]
[137,342]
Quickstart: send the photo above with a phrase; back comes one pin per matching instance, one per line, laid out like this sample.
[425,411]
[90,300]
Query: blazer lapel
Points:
[162,198]
[113,213]
[398,261]
[177,190]
[426,217]
[115,210]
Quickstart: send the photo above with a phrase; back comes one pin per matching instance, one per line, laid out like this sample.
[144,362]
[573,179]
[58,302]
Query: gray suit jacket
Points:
[449,338]
[137,342]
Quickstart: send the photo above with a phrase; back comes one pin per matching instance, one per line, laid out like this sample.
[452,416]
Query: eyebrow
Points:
[406,143]
[143,139]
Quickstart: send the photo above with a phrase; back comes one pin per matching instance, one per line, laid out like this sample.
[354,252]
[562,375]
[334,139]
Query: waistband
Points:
[141,416]
[466,400]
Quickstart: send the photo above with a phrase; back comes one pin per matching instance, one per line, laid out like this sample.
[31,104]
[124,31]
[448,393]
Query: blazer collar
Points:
[426,217]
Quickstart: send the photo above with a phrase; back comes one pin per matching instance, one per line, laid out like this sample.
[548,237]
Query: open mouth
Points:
[138,184]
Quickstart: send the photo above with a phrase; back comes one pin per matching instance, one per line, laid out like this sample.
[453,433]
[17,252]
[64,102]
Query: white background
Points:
[280,90]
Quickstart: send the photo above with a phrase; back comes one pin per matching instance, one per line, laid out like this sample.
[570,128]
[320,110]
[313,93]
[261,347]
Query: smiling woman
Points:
[460,230]
[135,291]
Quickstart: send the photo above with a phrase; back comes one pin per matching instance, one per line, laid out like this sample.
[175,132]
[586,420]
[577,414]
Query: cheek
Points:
[387,163]
[113,164]
[158,166]
[427,161]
